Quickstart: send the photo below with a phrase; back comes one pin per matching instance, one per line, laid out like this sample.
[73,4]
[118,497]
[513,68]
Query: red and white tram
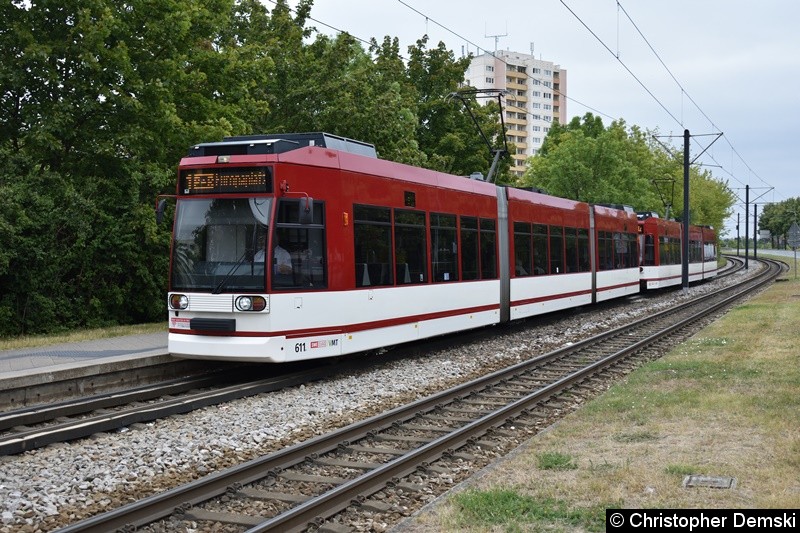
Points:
[660,246]
[301,246]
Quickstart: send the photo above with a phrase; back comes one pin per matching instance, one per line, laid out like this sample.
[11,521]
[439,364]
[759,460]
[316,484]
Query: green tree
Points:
[446,132]
[365,99]
[710,200]
[585,161]
[778,218]
[102,99]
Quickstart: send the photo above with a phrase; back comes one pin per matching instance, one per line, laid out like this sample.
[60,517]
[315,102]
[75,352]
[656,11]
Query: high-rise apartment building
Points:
[535,97]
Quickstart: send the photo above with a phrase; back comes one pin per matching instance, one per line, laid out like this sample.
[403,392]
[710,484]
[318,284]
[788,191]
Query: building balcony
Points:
[516,86]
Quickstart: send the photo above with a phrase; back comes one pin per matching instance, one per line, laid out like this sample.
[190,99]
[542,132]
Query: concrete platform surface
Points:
[59,357]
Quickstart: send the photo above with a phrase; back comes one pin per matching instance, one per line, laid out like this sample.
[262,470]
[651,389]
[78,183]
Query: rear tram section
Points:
[302,246]
[660,245]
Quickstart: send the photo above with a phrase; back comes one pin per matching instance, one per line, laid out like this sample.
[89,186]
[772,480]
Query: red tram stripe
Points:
[620,286]
[703,273]
[661,279]
[364,326]
[552,297]
[559,296]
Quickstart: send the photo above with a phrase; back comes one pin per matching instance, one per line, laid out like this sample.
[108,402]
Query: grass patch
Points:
[556,461]
[516,512]
[713,342]
[724,403]
[34,341]
[636,436]
[681,470]
[605,466]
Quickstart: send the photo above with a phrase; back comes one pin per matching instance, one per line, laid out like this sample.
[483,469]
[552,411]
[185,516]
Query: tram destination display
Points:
[226,180]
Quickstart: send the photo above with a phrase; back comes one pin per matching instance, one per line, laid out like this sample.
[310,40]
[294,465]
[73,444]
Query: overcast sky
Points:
[734,64]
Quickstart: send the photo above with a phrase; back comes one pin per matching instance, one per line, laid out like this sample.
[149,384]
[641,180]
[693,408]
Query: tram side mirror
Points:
[160,207]
[306,212]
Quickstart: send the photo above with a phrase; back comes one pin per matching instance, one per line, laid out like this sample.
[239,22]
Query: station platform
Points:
[32,366]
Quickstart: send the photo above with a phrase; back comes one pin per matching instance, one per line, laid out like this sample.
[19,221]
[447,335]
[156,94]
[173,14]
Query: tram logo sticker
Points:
[179,323]
[331,344]
[324,343]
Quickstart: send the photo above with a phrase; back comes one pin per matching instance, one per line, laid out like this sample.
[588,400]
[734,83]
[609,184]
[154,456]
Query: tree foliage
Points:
[778,218]
[585,161]
[100,99]
[447,134]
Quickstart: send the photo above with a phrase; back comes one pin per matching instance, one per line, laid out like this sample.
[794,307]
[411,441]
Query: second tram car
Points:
[302,246]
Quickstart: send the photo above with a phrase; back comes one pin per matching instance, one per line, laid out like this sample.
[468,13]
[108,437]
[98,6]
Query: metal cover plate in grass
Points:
[714,482]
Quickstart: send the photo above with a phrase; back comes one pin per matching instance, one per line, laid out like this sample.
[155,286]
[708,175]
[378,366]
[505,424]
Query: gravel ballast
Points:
[45,489]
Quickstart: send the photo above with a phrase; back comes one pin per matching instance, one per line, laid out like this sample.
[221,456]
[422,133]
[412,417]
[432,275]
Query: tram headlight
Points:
[251,303]
[178,301]
[244,303]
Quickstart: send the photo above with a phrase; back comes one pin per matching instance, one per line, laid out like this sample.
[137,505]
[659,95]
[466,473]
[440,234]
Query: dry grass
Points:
[18,343]
[725,403]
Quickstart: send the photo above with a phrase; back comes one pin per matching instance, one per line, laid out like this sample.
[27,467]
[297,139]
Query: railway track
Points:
[734,264]
[32,427]
[329,482]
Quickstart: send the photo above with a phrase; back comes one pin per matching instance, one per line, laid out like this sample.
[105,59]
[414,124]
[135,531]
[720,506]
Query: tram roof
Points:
[278,143]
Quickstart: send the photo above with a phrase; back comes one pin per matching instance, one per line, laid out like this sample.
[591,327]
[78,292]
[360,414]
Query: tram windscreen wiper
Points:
[221,284]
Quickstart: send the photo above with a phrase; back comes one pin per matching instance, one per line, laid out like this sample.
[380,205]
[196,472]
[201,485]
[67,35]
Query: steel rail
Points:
[104,377]
[328,504]
[32,438]
[735,264]
[38,414]
[25,438]
[161,505]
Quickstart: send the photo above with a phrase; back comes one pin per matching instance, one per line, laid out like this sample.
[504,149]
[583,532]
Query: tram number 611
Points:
[299,347]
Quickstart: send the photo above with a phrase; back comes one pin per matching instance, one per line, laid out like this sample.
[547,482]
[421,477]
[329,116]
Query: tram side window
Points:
[488,249]
[605,251]
[541,264]
[625,250]
[649,250]
[664,251]
[695,251]
[571,248]
[444,247]
[675,251]
[410,246]
[619,250]
[556,250]
[299,256]
[522,249]
[469,248]
[373,246]
[584,258]
[633,251]
[710,251]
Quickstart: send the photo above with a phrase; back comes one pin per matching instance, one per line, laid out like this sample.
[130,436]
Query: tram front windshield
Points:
[219,244]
